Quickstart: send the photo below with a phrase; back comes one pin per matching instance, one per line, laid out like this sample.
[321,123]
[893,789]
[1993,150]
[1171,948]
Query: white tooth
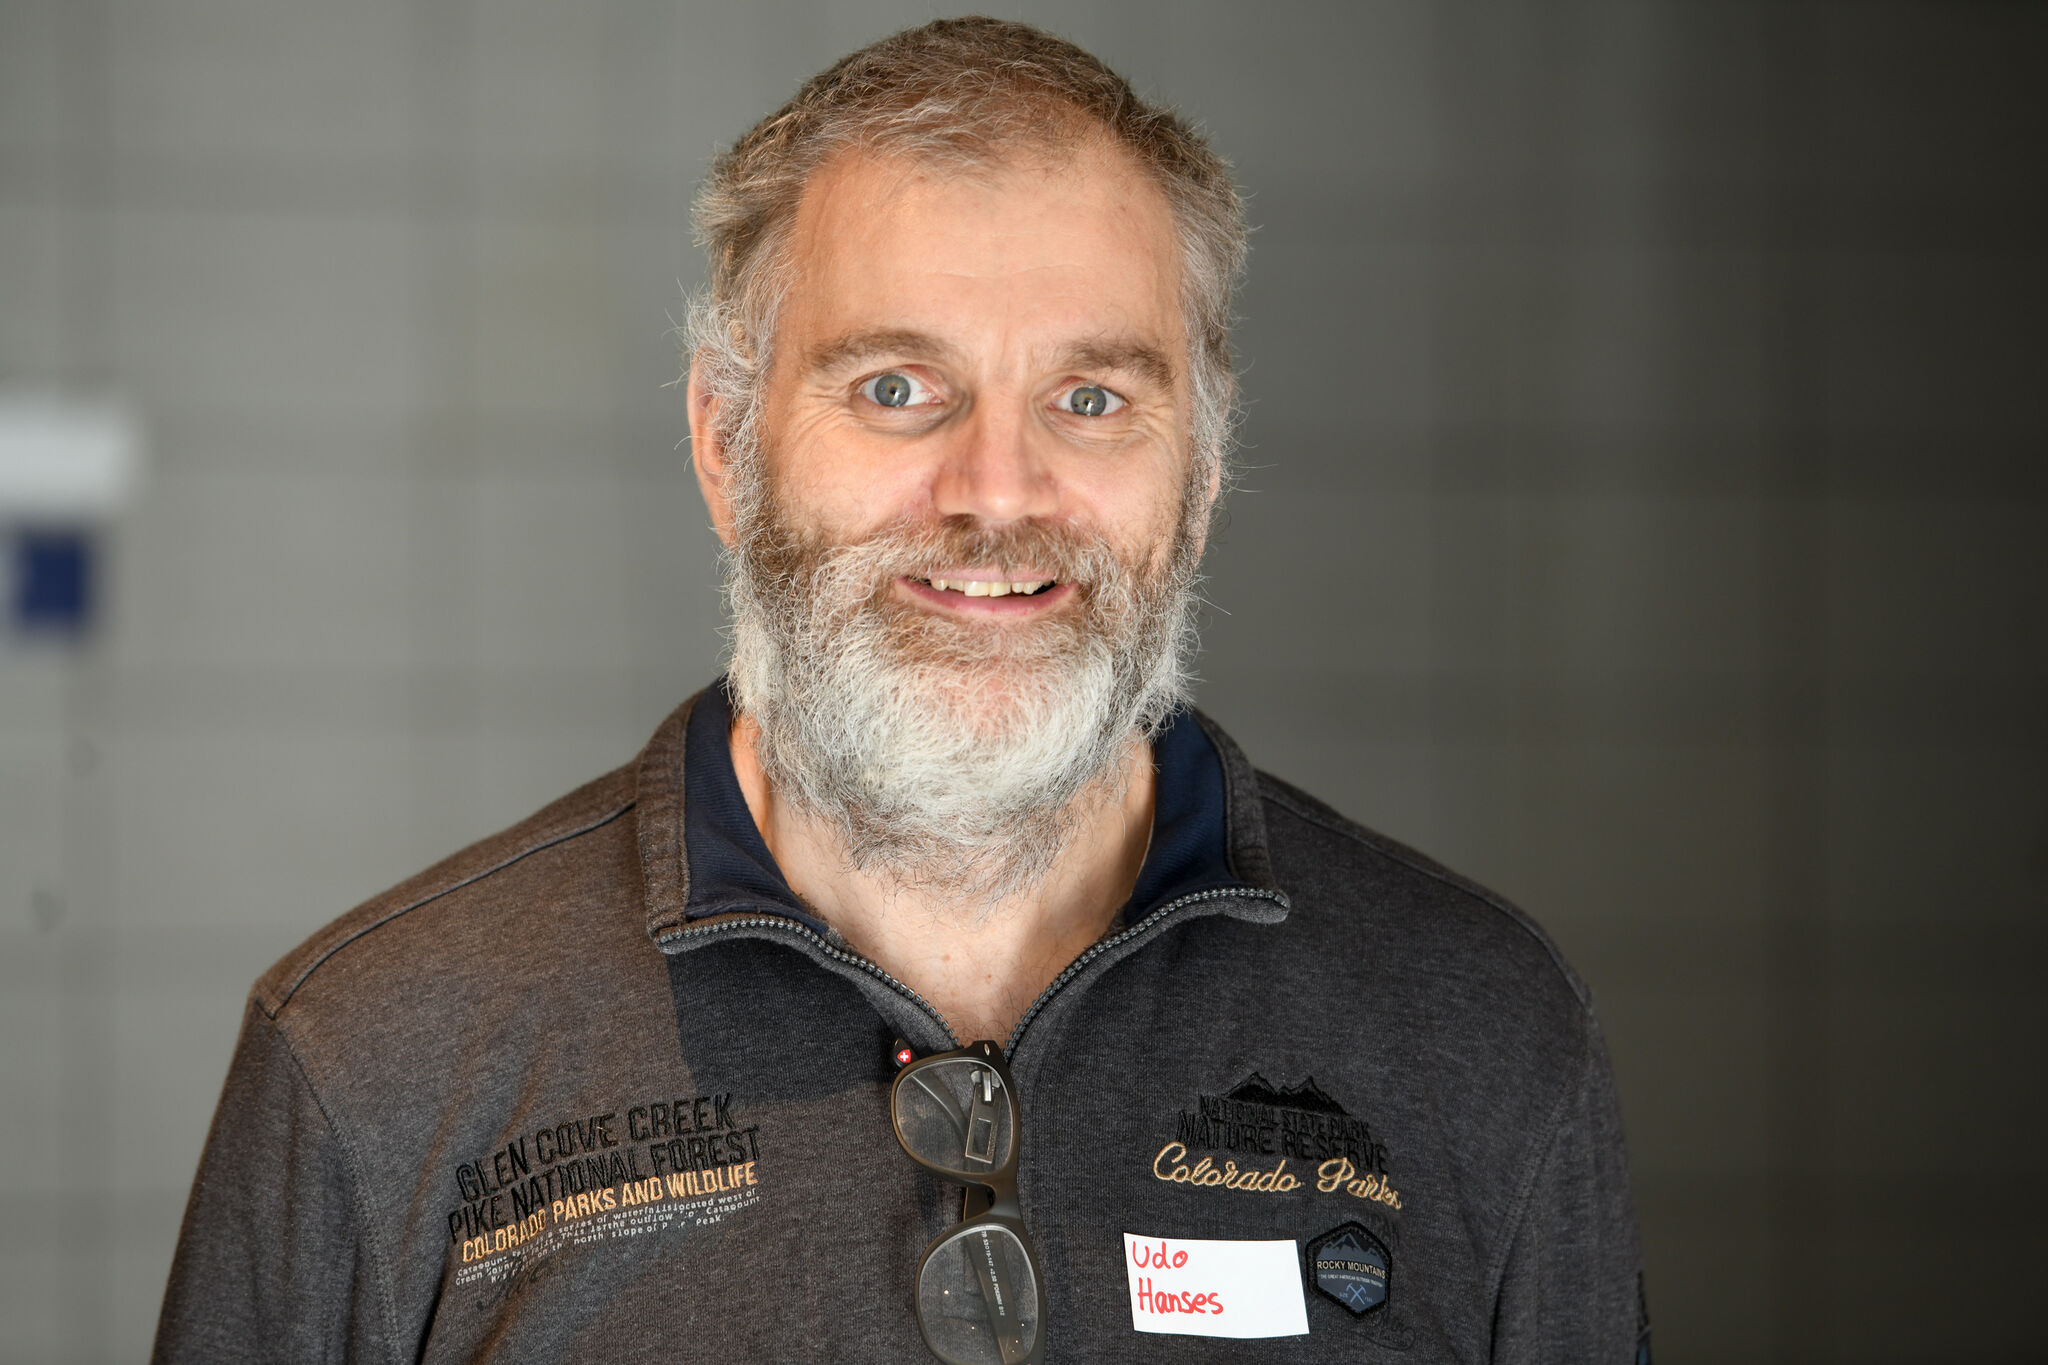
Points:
[939,584]
[976,588]
[999,590]
[1028,587]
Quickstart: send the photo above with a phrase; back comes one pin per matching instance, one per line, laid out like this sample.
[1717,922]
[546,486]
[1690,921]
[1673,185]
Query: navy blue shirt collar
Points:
[731,869]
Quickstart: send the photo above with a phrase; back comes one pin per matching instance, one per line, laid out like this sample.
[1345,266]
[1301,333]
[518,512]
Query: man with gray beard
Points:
[951,759]
[937,984]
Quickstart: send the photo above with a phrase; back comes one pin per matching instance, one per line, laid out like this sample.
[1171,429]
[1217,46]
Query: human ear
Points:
[707,454]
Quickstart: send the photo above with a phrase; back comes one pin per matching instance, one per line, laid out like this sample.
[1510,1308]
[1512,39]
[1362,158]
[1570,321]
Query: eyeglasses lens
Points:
[978,1299]
[956,1116]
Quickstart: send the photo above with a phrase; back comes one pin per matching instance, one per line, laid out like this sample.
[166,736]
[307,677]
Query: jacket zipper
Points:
[1072,969]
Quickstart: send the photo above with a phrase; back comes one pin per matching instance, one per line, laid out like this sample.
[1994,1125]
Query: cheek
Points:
[1137,504]
[842,477]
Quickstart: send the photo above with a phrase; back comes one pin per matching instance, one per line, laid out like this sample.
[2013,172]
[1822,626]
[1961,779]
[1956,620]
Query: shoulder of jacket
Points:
[588,808]
[1284,797]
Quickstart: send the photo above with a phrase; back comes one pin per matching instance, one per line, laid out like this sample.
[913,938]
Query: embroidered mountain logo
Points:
[1268,1129]
[1352,1266]
[1299,1121]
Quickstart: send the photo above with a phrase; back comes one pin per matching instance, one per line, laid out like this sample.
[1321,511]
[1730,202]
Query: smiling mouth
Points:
[980,587]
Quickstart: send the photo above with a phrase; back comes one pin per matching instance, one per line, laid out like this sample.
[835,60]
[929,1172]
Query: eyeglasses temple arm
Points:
[1011,1342]
[945,1103]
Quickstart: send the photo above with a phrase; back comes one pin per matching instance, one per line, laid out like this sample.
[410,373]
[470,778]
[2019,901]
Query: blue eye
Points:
[1088,400]
[893,390]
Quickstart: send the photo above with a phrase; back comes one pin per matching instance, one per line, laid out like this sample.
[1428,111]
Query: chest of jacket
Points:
[752,1196]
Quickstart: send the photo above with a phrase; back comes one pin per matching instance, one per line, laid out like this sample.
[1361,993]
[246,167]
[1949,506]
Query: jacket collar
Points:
[701,854]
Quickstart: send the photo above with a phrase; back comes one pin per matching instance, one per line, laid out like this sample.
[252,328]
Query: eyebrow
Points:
[875,343]
[1127,355]
[1123,354]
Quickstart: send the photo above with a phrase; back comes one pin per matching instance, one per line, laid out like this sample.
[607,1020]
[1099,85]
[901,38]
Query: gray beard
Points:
[950,759]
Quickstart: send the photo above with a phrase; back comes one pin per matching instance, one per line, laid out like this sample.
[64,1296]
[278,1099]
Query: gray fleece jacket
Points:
[602,1089]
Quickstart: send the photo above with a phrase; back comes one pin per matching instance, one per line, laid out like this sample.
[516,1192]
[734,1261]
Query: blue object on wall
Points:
[52,581]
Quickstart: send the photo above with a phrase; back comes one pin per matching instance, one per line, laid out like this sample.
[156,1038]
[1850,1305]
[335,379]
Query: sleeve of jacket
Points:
[271,1262]
[1571,1286]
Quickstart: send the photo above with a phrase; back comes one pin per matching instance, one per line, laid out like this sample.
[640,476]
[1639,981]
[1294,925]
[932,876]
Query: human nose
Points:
[994,472]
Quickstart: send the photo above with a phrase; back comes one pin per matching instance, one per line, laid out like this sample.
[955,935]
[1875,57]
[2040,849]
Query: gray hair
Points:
[963,93]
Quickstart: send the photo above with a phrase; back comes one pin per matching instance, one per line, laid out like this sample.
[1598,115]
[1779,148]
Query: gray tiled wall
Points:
[1642,511]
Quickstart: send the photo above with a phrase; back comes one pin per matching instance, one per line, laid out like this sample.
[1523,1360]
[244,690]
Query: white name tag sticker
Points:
[1215,1289]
